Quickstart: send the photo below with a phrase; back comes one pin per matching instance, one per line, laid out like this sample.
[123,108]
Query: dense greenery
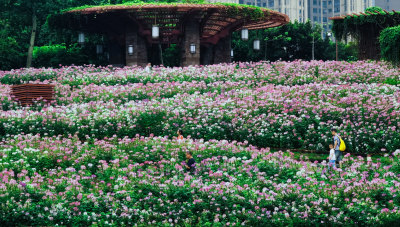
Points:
[373,17]
[389,41]
[18,40]
[289,42]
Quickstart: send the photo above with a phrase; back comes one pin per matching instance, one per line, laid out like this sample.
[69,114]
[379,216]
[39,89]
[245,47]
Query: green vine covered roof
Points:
[216,20]
[372,17]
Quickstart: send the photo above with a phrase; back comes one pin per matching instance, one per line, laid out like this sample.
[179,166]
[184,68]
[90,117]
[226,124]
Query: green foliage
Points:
[58,54]
[374,9]
[171,56]
[10,56]
[389,41]
[289,42]
[352,25]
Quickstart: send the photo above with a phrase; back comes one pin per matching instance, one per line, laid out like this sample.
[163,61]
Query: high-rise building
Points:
[317,11]
[388,4]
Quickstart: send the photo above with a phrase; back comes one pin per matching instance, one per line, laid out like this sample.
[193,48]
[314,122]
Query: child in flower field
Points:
[332,157]
[190,165]
[180,136]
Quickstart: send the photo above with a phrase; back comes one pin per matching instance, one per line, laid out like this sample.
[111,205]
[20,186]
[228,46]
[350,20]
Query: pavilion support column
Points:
[139,55]
[222,51]
[191,36]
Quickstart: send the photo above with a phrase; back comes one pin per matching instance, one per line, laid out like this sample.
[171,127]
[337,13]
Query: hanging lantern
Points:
[155,32]
[192,48]
[245,34]
[256,44]
[81,38]
[130,50]
[99,49]
[231,53]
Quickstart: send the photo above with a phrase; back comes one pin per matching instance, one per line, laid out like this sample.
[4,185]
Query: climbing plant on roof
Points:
[373,16]
[365,27]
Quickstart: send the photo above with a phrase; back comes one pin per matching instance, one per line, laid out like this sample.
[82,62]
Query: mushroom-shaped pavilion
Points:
[203,31]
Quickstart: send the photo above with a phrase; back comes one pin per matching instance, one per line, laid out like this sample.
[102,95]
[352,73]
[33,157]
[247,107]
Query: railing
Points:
[27,94]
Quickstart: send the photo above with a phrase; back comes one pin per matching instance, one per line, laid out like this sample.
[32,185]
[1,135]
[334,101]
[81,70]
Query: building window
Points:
[270,3]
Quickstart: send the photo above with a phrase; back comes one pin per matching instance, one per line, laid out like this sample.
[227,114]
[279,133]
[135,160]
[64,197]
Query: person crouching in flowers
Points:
[190,165]
[332,157]
[180,136]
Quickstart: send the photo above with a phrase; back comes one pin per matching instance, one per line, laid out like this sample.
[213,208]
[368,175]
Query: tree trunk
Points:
[32,42]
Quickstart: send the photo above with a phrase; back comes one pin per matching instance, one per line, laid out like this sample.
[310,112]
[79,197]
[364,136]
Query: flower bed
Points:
[299,116]
[83,159]
[122,181]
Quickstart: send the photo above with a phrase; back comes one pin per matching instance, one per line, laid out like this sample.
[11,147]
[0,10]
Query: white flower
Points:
[173,160]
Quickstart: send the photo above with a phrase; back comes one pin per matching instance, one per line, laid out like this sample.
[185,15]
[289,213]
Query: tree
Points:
[289,42]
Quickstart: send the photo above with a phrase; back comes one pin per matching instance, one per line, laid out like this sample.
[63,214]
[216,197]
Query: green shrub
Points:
[58,54]
[389,40]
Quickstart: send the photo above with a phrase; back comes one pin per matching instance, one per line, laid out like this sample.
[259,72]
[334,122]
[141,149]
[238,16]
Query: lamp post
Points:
[337,50]
[81,38]
[99,49]
[192,48]
[245,34]
[256,44]
[130,50]
[155,32]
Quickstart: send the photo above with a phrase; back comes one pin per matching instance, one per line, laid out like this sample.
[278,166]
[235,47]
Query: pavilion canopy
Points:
[216,20]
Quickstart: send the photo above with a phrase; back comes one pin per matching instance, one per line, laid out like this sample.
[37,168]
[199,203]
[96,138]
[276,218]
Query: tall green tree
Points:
[27,18]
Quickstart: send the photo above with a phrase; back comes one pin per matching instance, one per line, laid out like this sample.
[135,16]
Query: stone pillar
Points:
[139,56]
[222,51]
[191,35]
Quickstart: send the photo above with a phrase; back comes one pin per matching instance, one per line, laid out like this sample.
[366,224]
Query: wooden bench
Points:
[26,94]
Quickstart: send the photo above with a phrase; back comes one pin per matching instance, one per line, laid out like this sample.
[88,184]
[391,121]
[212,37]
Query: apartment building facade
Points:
[388,4]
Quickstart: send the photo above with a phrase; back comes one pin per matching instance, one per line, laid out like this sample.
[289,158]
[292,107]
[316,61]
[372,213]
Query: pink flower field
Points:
[104,152]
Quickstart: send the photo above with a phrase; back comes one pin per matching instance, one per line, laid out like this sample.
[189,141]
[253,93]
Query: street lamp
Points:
[81,38]
[155,32]
[130,50]
[231,53]
[256,44]
[192,48]
[99,49]
[245,34]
